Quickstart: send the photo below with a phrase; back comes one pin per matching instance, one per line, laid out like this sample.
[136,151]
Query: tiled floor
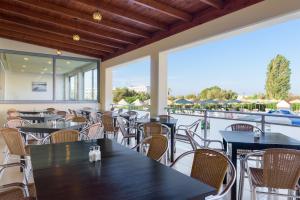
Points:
[184,166]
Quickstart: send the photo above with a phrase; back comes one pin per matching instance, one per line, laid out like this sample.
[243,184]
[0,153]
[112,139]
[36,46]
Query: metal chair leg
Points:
[242,178]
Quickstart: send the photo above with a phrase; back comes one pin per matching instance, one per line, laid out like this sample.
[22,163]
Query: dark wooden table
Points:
[63,172]
[49,127]
[245,140]
[40,118]
[31,112]
[171,123]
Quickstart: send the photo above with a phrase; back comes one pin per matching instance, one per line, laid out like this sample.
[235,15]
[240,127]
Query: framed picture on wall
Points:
[39,86]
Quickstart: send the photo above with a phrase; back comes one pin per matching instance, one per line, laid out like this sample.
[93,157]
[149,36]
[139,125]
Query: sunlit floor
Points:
[184,166]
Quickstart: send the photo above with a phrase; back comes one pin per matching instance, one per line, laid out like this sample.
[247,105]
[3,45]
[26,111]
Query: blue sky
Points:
[238,63]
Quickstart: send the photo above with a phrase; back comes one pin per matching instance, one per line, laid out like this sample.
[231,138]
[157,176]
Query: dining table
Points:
[32,112]
[246,141]
[63,171]
[39,118]
[169,122]
[50,127]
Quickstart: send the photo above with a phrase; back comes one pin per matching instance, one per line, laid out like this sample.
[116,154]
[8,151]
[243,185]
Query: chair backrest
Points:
[158,146]
[14,123]
[241,127]
[122,126]
[79,119]
[62,113]
[281,168]
[210,167]
[50,110]
[70,111]
[165,117]
[64,136]
[95,131]
[74,113]
[152,128]
[14,141]
[108,123]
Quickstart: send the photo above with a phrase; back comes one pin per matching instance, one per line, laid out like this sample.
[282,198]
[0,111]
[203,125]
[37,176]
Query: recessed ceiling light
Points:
[68,62]
[58,52]
[49,62]
[76,37]
[45,69]
[26,59]
[24,66]
[97,16]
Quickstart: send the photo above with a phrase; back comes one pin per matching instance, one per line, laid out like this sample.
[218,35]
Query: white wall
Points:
[18,86]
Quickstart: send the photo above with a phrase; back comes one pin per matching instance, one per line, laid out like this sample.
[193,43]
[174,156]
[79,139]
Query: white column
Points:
[106,96]
[159,83]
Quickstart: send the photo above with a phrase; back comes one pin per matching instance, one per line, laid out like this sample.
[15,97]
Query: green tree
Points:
[216,92]
[278,78]
[191,96]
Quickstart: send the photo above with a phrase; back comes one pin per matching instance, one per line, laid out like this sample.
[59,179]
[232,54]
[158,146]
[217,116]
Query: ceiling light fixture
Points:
[24,66]
[26,59]
[49,62]
[68,62]
[45,69]
[76,37]
[97,16]
[58,52]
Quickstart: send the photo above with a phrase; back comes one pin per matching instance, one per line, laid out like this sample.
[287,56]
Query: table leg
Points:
[138,139]
[172,143]
[234,161]
[225,150]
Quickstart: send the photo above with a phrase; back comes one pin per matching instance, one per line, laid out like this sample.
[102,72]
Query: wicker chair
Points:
[79,119]
[210,167]
[158,146]
[16,146]
[125,130]
[94,131]
[109,127]
[63,136]
[17,190]
[281,170]
[61,113]
[151,128]
[50,110]
[14,123]
[165,117]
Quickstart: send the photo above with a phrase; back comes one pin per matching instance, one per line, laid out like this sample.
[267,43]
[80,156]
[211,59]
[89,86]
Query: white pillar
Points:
[106,96]
[159,83]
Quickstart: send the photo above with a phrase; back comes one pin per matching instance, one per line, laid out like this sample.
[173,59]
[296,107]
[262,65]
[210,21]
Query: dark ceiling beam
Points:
[135,17]
[42,34]
[74,25]
[4,14]
[219,4]
[46,43]
[165,9]
[51,7]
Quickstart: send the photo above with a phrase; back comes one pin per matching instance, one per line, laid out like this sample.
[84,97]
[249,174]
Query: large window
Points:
[90,84]
[26,76]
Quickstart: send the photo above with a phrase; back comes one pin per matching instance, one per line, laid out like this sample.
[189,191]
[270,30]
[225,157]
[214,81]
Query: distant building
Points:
[140,88]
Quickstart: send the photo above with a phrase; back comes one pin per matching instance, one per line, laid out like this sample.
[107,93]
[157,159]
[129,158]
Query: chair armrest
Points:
[209,141]
[39,140]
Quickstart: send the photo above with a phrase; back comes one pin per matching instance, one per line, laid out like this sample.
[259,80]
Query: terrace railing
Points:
[260,118]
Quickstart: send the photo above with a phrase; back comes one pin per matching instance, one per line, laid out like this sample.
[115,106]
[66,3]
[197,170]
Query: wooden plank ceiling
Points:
[125,24]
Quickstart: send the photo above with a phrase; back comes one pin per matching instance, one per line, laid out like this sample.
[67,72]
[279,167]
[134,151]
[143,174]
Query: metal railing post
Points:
[205,126]
[263,123]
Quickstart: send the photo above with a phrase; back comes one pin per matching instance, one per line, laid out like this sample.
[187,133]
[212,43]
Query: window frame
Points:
[54,58]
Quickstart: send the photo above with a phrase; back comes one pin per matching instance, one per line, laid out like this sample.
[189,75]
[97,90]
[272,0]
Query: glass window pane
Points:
[88,85]
[95,84]
[73,82]
[24,77]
